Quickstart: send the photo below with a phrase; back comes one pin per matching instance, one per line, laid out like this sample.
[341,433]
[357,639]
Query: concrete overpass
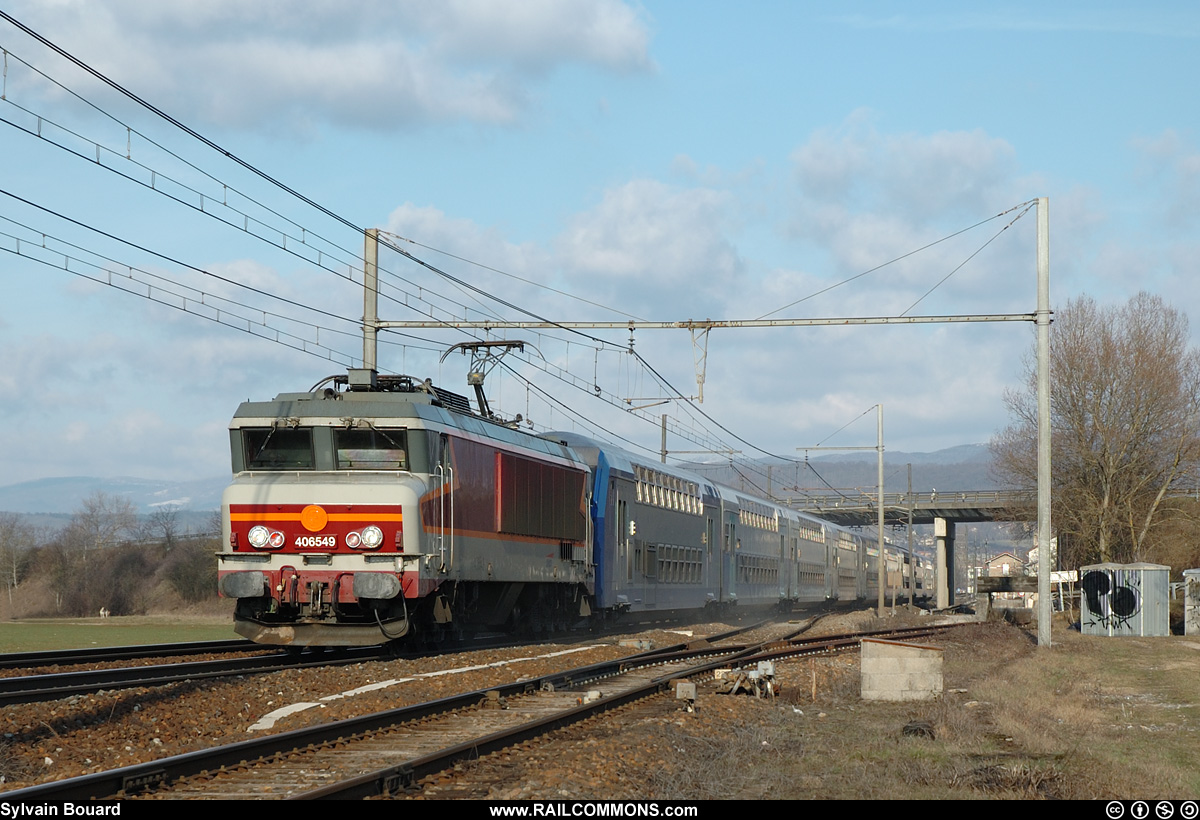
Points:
[942,509]
[860,507]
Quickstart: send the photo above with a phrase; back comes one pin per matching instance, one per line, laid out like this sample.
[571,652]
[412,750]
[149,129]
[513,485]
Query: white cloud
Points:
[378,64]
[1172,163]
[431,227]
[867,198]
[647,246]
[923,176]
[251,274]
[154,402]
[538,34]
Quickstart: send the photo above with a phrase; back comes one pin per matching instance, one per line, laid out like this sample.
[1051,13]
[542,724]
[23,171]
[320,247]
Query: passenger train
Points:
[379,508]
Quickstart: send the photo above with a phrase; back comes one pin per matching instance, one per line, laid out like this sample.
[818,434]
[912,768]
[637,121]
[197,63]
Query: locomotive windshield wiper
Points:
[385,435]
[255,457]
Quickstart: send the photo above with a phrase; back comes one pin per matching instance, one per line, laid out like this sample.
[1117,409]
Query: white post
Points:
[882,568]
[1043,404]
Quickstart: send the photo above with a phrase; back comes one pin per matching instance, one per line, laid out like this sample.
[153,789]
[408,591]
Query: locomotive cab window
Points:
[371,449]
[278,448]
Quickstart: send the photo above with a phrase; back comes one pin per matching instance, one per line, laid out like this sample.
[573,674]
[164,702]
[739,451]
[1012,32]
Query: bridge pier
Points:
[943,533]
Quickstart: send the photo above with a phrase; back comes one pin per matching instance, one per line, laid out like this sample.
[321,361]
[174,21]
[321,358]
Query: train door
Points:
[795,574]
[862,569]
[642,566]
[710,568]
[831,566]
[785,569]
[624,566]
[729,558]
[650,574]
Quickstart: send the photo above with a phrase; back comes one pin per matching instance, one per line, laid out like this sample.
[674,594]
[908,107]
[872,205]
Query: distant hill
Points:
[65,495]
[962,454]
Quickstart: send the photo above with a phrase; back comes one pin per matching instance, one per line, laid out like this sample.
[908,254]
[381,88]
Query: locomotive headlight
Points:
[258,537]
[276,540]
[372,537]
[353,540]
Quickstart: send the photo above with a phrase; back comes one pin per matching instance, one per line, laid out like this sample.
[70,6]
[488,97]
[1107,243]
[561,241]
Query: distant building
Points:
[1006,563]
[1031,566]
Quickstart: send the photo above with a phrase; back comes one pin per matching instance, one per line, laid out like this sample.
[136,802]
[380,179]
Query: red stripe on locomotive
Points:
[316,527]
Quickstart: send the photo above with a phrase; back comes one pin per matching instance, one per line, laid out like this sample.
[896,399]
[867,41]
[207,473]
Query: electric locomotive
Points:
[373,507]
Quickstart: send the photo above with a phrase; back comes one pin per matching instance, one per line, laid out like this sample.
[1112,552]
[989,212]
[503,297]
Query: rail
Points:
[62,657]
[42,687]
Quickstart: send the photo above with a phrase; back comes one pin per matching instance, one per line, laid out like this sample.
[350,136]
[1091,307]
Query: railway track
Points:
[52,686]
[34,688]
[108,654]
[389,751]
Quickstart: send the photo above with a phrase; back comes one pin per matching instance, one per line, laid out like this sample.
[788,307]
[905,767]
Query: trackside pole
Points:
[912,560]
[1043,402]
[882,568]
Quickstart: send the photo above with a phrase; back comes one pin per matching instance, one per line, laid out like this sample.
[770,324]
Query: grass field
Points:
[79,633]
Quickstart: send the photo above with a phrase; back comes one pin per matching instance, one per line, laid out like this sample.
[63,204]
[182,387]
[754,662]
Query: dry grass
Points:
[750,760]
[1089,718]
[13,767]
[1121,713]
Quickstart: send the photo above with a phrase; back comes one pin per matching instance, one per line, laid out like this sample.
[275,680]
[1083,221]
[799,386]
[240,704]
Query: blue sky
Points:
[667,161]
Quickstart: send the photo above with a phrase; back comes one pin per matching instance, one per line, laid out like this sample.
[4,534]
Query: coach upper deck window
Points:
[371,449]
[278,448]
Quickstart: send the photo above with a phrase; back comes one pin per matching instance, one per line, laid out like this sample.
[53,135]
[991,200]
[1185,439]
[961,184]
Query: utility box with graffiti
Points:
[1125,599]
[1191,602]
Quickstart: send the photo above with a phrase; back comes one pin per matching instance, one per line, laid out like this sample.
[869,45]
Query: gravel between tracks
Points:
[658,750]
[88,733]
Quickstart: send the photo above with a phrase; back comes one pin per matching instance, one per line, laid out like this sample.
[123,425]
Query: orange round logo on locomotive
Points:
[314,518]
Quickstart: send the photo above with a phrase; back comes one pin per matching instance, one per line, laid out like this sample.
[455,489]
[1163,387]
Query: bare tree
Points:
[162,525]
[102,521]
[17,537]
[1126,401]
[212,525]
[92,563]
